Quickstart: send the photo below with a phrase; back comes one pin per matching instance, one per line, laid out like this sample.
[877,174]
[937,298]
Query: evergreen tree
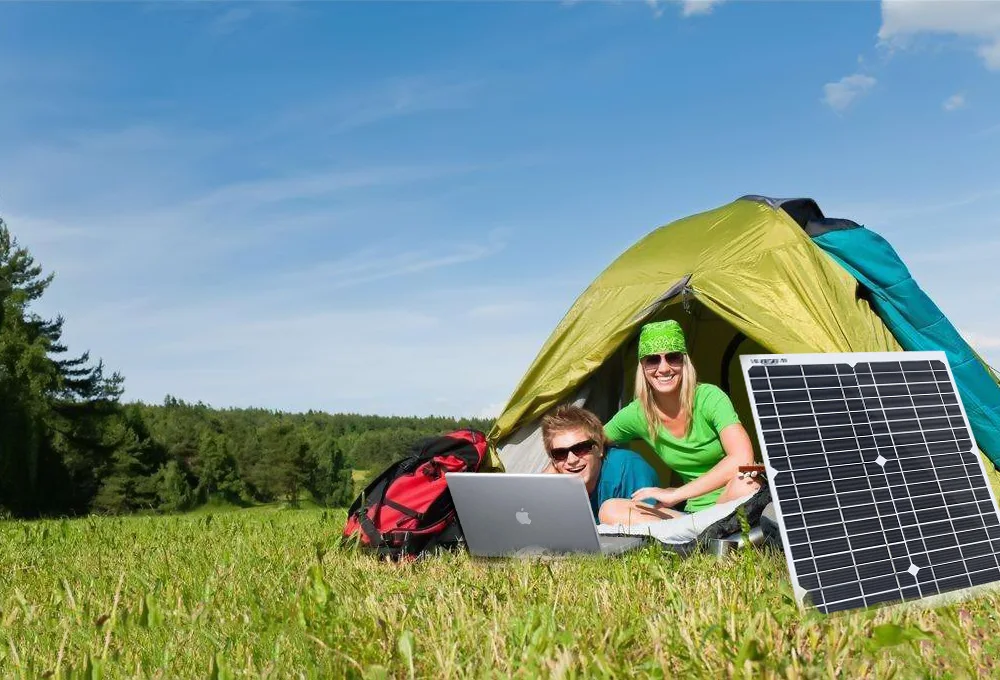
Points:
[282,471]
[129,483]
[173,490]
[55,410]
[215,468]
[68,446]
[330,480]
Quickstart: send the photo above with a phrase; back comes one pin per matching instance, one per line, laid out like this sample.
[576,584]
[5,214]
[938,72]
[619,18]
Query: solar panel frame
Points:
[879,552]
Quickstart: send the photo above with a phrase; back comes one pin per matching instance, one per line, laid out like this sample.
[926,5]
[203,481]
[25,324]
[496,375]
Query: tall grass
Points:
[269,594]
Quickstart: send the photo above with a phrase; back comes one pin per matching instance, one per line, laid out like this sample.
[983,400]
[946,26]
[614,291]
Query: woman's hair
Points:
[643,393]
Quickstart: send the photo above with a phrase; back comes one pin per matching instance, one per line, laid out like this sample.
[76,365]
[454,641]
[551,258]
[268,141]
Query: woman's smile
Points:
[664,381]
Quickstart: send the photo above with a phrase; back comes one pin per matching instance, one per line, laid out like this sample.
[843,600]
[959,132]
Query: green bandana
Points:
[661,337]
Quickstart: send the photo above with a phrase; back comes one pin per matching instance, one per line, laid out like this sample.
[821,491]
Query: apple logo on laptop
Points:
[522,517]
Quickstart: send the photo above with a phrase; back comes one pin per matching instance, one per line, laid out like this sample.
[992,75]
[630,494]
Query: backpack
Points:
[408,510]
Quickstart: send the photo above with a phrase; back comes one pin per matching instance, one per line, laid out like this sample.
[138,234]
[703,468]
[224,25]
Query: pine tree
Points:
[130,481]
[282,470]
[54,411]
[329,480]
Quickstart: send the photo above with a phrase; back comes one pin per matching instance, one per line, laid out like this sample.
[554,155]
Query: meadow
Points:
[270,593]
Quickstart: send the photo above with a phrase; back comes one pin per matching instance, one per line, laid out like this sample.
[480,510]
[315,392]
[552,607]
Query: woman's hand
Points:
[667,497]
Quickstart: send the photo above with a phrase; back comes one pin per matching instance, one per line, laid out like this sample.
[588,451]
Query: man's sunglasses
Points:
[654,360]
[578,449]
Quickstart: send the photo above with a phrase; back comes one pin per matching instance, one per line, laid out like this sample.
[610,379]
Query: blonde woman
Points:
[692,427]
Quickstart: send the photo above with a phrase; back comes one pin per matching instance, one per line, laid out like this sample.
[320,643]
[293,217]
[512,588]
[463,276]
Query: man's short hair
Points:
[569,417]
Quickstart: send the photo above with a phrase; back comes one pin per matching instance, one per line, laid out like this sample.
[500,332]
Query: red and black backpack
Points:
[408,509]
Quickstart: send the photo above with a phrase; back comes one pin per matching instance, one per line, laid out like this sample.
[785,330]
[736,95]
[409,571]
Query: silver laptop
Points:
[524,515]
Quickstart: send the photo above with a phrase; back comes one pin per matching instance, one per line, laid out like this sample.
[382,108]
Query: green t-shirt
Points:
[691,456]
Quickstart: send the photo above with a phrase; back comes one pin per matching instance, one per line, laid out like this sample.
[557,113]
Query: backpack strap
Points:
[373,534]
[403,509]
[367,525]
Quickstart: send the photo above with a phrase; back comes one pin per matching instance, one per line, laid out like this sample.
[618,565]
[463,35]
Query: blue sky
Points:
[386,208]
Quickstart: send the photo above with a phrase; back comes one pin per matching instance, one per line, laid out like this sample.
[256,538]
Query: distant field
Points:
[264,594]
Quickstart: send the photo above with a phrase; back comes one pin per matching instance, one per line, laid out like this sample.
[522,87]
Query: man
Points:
[574,439]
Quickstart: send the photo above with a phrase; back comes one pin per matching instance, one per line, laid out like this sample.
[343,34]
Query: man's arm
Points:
[635,473]
[628,512]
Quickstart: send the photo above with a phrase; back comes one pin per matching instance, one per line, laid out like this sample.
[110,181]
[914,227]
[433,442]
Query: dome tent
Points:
[750,277]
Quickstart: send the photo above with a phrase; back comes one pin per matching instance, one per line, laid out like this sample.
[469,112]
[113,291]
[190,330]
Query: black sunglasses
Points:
[654,360]
[578,449]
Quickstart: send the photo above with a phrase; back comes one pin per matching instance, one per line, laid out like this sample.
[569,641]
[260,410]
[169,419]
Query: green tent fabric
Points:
[743,278]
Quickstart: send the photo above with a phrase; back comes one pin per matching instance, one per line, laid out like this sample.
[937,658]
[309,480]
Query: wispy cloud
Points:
[218,19]
[975,252]
[986,132]
[655,6]
[230,20]
[689,8]
[955,102]
[221,291]
[693,7]
[379,263]
[887,214]
[976,23]
[388,100]
[841,94]
[136,193]
[257,193]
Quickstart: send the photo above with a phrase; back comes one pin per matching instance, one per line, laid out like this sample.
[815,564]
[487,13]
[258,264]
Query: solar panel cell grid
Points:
[880,494]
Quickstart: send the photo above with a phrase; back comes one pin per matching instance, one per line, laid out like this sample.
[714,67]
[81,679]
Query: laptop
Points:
[525,515]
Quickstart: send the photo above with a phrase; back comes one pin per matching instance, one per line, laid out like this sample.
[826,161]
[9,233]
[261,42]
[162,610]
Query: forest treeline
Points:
[69,445]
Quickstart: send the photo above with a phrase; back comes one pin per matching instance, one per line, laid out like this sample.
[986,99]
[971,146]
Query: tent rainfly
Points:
[758,275]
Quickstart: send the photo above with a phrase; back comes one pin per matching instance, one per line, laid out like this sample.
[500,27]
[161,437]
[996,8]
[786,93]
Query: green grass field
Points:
[267,593]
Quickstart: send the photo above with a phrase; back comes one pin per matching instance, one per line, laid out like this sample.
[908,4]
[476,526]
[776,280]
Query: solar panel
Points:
[880,494]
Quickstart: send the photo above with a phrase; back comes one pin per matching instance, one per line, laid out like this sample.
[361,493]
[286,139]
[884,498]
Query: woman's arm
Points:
[739,451]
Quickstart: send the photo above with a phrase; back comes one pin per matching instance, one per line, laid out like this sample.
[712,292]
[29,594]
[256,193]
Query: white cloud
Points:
[841,94]
[978,23]
[270,190]
[693,7]
[283,289]
[127,196]
[955,102]
[377,263]
[689,8]
[991,54]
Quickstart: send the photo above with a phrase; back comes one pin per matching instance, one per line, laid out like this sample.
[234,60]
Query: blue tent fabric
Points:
[918,324]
